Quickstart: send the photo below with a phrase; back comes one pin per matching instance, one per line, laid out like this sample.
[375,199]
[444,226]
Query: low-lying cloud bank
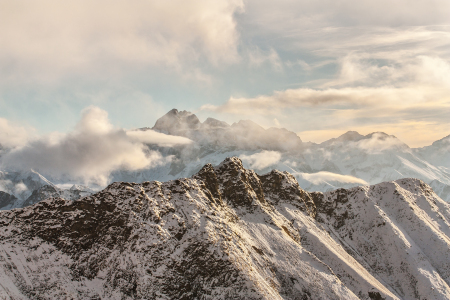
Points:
[157,138]
[320,177]
[262,159]
[91,151]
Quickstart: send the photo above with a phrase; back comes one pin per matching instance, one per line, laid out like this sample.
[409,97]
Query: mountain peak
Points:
[214,123]
[443,141]
[380,135]
[350,136]
[247,124]
[176,121]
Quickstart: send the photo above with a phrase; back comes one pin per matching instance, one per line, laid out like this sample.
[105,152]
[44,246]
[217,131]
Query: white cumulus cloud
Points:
[89,153]
[49,40]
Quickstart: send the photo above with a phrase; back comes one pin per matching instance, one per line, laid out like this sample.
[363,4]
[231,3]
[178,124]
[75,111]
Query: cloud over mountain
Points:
[262,159]
[90,152]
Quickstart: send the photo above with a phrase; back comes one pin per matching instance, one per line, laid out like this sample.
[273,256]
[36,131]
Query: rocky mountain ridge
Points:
[229,233]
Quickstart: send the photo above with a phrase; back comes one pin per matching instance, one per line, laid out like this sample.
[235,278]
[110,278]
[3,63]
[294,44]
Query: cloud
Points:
[48,40]
[289,14]
[320,177]
[153,137]
[423,79]
[366,95]
[306,97]
[262,159]
[19,189]
[88,153]
[12,136]
[379,142]
[257,57]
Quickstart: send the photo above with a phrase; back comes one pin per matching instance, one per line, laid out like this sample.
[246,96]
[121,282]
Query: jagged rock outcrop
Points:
[228,233]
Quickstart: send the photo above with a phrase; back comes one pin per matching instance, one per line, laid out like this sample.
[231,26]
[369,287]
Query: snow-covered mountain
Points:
[347,161]
[8,201]
[437,153]
[22,184]
[229,233]
[374,158]
[243,135]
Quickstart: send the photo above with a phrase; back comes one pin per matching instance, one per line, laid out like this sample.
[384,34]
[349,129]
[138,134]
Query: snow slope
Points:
[229,233]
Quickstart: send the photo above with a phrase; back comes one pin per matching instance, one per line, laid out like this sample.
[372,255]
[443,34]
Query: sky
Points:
[318,68]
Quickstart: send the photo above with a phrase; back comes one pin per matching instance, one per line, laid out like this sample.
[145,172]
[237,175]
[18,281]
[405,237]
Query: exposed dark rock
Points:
[6,199]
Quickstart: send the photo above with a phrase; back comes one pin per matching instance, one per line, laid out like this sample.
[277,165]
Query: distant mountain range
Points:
[347,161]
[229,233]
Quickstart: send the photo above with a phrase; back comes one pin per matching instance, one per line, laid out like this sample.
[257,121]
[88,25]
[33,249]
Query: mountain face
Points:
[229,233]
[374,158]
[22,184]
[438,153]
[7,199]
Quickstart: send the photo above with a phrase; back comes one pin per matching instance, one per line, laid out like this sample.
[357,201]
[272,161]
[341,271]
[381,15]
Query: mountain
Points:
[7,199]
[437,153]
[376,157]
[243,135]
[47,191]
[229,233]
[347,161]
[22,184]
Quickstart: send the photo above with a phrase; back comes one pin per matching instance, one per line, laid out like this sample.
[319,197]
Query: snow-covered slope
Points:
[375,158]
[437,153]
[228,233]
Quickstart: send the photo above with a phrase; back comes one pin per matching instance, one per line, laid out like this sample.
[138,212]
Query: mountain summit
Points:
[176,122]
[243,135]
[229,233]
